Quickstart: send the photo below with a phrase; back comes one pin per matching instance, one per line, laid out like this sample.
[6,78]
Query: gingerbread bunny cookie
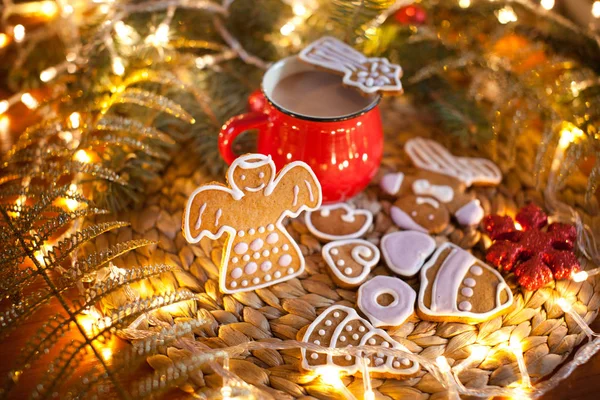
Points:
[259,251]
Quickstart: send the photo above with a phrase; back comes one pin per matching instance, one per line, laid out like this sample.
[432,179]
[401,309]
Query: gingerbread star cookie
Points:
[350,261]
[341,327]
[338,222]
[370,75]
[258,251]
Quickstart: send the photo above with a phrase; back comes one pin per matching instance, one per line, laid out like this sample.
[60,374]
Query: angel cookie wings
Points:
[370,75]
[258,251]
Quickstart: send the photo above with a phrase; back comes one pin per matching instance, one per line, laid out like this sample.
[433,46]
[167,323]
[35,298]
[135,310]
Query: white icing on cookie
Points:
[250,268]
[272,238]
[256,244]
[348,217]
[296,191]
[470,214]
[241,248]
[363,253]
[404,221]
[405,252]
[201,199]
[391,183]
[370,75]
[369,336]
[427,200]
[443,193]
[394,314]
[446,285]
[284,260]
[432,156]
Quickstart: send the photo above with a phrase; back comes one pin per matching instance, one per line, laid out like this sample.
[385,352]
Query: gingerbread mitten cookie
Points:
[259,251]
[350,261]
[456,286]
[339,327]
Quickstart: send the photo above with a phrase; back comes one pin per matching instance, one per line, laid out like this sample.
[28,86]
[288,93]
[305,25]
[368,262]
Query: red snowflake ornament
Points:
[537,256]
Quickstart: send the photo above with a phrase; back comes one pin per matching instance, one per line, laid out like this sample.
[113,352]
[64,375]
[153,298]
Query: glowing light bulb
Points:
[518,226]
[287,29]
[596,9]
[19,33]
[478,352]
[117,66]
[331,375]
[547,4]
[564,305]
[569,135]
[506,15]
[71,56]
[67,10]
[442,364]
[464,3]
[4,106]
[107,353]
[29,101]
[75,120]
[49,8]
[48,74]
[369,395]
[299,9]
[82,156]
[4,40]
[579,276]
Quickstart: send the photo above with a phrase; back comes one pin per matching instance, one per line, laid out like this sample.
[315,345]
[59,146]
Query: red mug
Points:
[344,152]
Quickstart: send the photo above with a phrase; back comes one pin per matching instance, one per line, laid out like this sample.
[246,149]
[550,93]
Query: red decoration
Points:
[411,15]
[537,256]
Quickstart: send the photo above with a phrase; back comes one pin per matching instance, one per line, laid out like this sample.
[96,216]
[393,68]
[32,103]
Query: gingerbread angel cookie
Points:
[259,251]
[338,222]
[456,286]
[370,75]
[341,327]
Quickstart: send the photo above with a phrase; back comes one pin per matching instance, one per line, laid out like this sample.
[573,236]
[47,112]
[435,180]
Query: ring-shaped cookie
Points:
[396,312]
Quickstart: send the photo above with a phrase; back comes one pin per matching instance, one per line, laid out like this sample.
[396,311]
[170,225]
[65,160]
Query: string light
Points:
[82,156]
[29,101]
[547,4]
[369,394]
[464,3]
[478,353]
[4,104]
[75,120]
[446,371]
[596,9]
[517,348]
[117,66]
[506,15]
[226,389]
[4,40]
[584,275]
[568,309]
[72,204]
[569,135]
[48,74]
[49,8]
[5,141]
[19,33]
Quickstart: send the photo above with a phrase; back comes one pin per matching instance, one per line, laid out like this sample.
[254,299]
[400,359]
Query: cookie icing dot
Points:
[470,282]
[241,248]
[272,238]
[255,280]
[267,277]
[321,332]
[236,273]
[246,257]
[284,260]
[250,268]
[270,227]
[335,252]
[266,265]
[466,291]
[348,271]
[336,314]
[277,274]
[476,270]
[290,271]
[314,356]
[266,253]
[341,263]
[261,229]
[464,306]
[256,244]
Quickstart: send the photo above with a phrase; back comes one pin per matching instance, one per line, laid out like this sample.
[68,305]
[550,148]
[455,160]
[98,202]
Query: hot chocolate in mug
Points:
[303,113]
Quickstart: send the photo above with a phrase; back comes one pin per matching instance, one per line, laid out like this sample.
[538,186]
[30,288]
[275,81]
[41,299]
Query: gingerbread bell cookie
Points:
[428,197]
[370,75]
[338,222]
[350,261]
[258,251]
[456,286]
[341,327]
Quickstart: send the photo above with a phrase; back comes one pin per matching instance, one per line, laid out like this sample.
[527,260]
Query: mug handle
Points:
[234,127]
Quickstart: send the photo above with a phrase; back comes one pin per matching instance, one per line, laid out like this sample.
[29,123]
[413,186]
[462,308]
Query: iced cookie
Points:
[456,286]
[370,75]
[386,301]
[405,252]
[432,156]
[258,251]
[423,214]
[338,222]
[417,189]
[342,327]
[350,261]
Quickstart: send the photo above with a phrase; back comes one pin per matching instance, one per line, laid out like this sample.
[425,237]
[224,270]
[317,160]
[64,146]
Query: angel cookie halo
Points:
[259,251]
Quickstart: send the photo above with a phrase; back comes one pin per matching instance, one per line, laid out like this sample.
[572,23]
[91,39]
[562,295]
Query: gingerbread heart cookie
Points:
[258,252]
[340,327]
[456,286]
[350,261]
[405,252]
[338,222]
